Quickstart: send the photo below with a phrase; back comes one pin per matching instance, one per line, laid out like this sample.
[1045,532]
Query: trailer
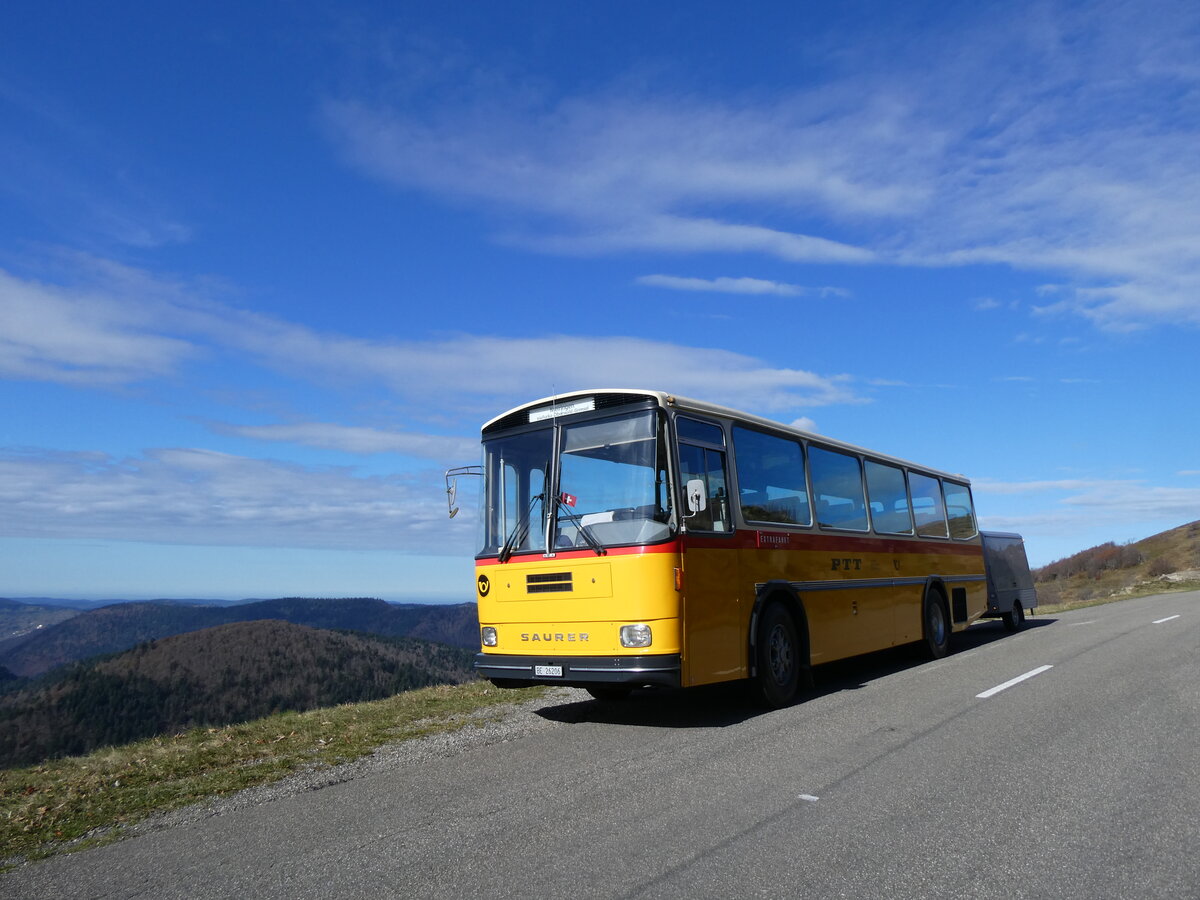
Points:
[1010,590]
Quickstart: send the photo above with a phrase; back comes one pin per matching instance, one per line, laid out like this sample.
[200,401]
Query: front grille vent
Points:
[548,582]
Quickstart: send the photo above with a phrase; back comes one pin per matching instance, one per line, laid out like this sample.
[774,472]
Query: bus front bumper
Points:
[579,671]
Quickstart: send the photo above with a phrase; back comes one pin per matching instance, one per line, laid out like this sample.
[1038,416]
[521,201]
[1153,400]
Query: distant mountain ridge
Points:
[121,626]
[215,676]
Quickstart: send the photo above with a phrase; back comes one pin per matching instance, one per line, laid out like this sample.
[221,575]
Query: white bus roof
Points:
[687,404]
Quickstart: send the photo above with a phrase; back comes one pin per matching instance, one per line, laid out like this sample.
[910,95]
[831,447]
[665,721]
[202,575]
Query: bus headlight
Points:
[488,636]
[636,635]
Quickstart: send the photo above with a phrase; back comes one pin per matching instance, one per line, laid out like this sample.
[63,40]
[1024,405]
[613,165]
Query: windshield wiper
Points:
[588,537]
[520,530]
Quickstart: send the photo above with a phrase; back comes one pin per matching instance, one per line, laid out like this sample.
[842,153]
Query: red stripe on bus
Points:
[585,553]
[754,539]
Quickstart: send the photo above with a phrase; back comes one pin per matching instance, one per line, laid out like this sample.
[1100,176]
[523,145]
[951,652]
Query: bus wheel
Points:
[1015,620]
[610,692]
[778,657]
[936,624]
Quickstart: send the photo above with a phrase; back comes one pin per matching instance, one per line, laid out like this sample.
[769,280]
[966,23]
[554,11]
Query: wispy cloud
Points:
[622,173]
[1062,141]
[124,325]
[358,439]
[190,496]
[1072,513]
[742,285]
[1084,502]
[51,333]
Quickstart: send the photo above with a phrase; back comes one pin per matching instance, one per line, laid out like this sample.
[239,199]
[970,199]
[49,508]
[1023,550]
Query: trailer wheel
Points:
[936,631]
[778,652]
[1015,620]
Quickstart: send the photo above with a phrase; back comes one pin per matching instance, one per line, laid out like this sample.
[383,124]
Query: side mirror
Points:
[452,484]
[697,498]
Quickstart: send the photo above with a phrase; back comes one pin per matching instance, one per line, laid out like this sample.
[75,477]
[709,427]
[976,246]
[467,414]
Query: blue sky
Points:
[265,268]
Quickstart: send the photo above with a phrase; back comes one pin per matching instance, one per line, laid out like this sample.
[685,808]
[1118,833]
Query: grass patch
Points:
[86,800]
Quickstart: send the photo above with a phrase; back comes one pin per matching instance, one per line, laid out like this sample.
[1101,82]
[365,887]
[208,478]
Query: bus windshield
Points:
[611,487]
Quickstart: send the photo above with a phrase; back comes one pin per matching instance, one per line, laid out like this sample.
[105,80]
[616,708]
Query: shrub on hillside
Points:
[1092,562]
[1161,566]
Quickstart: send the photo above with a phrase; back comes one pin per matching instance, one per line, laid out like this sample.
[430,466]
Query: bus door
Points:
[714,639]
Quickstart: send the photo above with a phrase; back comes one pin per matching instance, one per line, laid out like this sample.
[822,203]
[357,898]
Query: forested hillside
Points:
[124,625]
[19,620]
[216,676]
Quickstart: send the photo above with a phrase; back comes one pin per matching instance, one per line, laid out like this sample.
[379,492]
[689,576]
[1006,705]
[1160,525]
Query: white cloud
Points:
[1087,501]
[128,325]
[1057,139]
[190,496]
[677,234]
[357,439]
[1030,487]
[49,333]
[1060,517]
[620,174]
[734,286]
[804,423]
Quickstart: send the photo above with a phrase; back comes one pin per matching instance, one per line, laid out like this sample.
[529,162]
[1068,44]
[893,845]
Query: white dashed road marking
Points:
[991,692]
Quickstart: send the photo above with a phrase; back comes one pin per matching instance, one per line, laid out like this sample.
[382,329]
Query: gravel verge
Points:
[484,728]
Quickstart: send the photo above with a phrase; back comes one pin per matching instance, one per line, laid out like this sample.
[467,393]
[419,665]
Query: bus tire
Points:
[777,650]
[935,624]
[1014,620]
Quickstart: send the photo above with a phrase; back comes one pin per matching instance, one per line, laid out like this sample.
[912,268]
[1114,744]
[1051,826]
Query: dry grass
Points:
[1145,589]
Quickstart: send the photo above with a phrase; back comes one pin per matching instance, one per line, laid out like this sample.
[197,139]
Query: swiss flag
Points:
[569,499]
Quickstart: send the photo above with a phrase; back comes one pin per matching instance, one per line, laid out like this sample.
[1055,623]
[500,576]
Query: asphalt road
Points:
[897,779]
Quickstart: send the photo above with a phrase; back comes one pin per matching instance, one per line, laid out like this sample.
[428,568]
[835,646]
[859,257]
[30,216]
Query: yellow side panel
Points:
[714,616]
[847,589]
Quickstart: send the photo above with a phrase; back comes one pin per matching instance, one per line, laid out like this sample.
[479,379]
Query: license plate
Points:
[548,671]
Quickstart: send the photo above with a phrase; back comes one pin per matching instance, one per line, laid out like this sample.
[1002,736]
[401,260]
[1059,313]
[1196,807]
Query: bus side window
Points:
[889,499]
[770,474]
[927,505]
[838,489]
[960,511]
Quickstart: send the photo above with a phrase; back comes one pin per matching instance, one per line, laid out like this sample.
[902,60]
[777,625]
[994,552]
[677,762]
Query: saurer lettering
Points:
[555,637]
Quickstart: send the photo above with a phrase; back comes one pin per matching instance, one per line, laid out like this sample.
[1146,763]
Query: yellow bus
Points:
[631,538]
